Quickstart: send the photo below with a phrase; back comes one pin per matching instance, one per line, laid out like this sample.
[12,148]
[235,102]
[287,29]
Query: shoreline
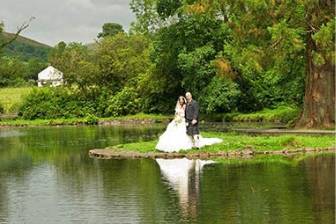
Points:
[137,119]
[152,119]
[115,153]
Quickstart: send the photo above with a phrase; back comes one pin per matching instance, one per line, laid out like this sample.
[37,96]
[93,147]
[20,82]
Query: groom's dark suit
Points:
[192,113]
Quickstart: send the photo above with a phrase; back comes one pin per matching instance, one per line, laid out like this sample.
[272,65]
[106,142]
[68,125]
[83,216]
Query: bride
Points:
[175,137]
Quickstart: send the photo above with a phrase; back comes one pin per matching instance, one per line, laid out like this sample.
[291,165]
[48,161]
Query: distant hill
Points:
[26,48]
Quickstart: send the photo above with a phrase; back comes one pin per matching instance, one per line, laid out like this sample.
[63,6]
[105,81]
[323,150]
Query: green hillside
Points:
[26,48]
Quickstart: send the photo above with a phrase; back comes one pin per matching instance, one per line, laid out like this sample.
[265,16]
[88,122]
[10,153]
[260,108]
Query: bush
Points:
[281,113]
[63,102]
[50,103]
[124,102]
[91,119]
[219,96]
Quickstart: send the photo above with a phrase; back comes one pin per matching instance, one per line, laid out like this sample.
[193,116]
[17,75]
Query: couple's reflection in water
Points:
[183,176]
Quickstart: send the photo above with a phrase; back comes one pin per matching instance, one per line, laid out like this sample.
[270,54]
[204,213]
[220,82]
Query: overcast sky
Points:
[67,20]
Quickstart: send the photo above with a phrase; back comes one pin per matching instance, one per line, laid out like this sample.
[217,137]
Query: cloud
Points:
[64,20]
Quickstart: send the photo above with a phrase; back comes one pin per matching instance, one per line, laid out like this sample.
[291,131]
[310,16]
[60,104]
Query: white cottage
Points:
[50,76]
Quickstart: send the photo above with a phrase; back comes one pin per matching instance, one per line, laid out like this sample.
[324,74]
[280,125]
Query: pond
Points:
[46,176]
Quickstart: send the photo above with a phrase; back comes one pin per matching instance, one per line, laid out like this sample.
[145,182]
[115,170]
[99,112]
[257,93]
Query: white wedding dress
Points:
[175,138]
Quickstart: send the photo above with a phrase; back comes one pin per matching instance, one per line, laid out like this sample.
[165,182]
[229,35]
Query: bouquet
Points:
[178,119]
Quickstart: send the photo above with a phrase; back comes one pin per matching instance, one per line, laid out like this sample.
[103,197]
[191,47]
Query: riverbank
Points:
[279,117]
[90,120]
[233,145]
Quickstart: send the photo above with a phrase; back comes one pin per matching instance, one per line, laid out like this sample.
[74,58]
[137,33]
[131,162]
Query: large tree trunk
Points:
[319,101]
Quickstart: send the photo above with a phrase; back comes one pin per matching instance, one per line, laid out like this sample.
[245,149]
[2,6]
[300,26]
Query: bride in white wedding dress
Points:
[175,137]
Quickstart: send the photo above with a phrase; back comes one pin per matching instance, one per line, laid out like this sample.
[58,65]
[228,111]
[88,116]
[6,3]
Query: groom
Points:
[192,119]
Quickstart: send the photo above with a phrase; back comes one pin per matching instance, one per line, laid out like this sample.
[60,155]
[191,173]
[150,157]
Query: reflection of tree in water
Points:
[3,200]
[14,173]
[125,191]
[65,152]
[132,190]
[261,193]
[15,165]
[320,174]
[57,144]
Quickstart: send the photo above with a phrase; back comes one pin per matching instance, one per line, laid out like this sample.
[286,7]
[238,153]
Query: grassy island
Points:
[233,144]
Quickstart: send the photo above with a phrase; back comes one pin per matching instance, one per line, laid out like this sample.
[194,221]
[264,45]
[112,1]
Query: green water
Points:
[46,176]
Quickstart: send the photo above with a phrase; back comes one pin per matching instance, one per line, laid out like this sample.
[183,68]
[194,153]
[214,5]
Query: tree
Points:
[33,67]
[12,71]
[146,14]
[74,60]
[319,100]
[111,29]
[190,35]
[121,59]
[55,55]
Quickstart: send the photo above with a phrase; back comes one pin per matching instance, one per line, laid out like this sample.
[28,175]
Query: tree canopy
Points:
[110,29]
[233,55]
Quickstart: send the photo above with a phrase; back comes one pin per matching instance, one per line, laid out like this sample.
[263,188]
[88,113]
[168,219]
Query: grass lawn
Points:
[282,114]
[234,141]
[10,98]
